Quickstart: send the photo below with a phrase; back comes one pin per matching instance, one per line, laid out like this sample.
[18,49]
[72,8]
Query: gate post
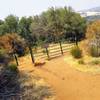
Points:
[47,53]
[31,52]
[61,48]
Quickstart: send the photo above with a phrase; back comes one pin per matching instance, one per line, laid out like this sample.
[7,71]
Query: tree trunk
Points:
[76,40]
[47,53]
[31,52]
[61,47]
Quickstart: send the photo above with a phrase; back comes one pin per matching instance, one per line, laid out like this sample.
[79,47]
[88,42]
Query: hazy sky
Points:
[32,7]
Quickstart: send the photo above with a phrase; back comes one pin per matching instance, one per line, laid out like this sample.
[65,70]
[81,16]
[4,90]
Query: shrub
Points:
[2,57]
[13,67]
[94,51]
[19,43]
[81,61]
[76,52]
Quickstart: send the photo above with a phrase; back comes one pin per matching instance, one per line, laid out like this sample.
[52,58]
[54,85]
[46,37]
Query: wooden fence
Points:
[49,52]
[52,51]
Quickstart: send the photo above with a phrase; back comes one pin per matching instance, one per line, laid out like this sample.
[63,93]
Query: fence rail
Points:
[52,51]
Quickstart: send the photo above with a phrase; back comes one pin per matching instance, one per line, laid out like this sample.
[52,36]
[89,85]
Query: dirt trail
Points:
[68,83]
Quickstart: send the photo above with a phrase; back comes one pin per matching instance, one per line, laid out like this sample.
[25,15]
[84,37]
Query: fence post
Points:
[16,59]
[31,52]
[14,53]
[61,48]
[47,53]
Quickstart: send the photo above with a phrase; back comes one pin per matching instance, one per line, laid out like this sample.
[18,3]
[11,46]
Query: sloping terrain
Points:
[67,82]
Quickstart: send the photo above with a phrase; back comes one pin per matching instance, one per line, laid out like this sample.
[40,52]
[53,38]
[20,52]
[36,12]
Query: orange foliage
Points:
[93,29]
[6,41]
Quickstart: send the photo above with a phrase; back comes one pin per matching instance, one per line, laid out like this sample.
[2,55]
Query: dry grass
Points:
[88,65]
[34,88]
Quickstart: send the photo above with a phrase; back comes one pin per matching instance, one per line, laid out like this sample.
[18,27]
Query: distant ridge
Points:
[91,14]
[95,9]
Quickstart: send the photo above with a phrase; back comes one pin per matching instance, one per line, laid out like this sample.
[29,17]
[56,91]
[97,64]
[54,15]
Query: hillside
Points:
[95,9]
[91,14]
[93,18]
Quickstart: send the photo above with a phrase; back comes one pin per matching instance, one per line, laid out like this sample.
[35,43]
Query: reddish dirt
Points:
[68,83]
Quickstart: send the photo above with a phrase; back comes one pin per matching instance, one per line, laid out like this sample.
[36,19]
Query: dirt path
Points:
[68,83]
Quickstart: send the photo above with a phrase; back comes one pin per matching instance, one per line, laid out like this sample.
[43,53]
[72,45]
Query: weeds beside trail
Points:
[22,86]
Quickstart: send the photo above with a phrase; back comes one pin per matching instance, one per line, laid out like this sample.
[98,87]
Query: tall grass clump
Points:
[76,52]
[94,51]
[12,67]
[81,61]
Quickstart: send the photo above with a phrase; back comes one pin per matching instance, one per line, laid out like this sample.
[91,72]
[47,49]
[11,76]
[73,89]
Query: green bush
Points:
[81,61]
[76,52]
[13,67]
[2,51]
[94,51]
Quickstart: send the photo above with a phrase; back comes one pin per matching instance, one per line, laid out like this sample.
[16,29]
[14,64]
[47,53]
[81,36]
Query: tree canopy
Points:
[49,26]
[59,22]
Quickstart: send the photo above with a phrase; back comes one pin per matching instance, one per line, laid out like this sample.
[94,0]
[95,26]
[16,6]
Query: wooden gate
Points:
[52,51]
